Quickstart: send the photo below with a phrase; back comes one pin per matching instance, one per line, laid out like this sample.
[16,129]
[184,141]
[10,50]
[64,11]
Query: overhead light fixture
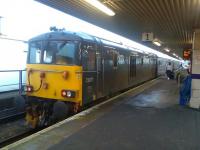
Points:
[101,7]
[167,50]
[157,42]
[175,54]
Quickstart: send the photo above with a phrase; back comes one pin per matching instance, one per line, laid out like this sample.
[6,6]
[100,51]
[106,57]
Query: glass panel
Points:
[65,53]
[48,56]
[132,66]
[35,52]
[54,52]
[115,59]
[89,59]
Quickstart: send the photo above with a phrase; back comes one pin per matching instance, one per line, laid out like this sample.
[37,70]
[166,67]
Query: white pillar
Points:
[195,93]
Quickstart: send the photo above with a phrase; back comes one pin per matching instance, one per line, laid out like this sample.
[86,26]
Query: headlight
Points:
[68,93]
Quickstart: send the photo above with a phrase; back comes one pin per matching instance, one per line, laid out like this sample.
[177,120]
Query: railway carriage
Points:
[67,70]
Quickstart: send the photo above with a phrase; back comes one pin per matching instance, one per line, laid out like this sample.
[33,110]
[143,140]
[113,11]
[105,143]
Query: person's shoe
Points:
[167,78]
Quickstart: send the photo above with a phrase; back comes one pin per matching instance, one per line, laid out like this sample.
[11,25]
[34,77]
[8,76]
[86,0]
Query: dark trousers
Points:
[170,74]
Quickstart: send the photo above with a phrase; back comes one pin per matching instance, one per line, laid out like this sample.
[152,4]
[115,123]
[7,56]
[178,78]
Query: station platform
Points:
[144,118]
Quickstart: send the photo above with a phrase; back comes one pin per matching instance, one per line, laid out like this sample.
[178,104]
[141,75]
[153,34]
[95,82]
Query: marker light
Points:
[28,88]
[64,93]
[101,7]
[65,74]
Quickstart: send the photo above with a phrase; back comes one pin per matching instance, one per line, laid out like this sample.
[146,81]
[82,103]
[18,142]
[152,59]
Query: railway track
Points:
[10,115]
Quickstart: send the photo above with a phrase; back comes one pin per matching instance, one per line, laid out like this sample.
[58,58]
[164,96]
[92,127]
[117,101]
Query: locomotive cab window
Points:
[48,56]
[52,52]
[35,52]
[65,53]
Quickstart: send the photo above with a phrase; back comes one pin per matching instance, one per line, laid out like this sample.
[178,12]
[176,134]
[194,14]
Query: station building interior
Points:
[130,82]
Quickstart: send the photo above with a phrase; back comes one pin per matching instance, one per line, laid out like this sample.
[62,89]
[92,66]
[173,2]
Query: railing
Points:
[12,80]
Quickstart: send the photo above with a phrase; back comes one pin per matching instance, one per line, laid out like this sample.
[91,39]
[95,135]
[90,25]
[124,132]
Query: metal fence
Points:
[12,80]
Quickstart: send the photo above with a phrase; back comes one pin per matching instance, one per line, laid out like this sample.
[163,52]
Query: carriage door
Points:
[89,72]
[99,72]
[132,69]
[155,65]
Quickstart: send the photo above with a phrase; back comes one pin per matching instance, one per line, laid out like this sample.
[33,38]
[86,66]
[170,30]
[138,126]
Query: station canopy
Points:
[171,21]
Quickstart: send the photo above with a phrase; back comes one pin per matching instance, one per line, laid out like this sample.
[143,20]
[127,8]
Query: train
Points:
[67,71]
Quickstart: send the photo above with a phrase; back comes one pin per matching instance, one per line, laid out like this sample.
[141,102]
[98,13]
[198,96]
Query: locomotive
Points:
[69,70]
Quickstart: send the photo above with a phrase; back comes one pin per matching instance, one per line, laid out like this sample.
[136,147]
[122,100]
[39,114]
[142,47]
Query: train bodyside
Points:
[162,63]
[67,71]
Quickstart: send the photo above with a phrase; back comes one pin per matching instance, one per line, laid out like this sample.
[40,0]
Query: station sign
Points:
[187,54]
[147,36]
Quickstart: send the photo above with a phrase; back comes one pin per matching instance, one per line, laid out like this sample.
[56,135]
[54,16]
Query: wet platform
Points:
[145,118]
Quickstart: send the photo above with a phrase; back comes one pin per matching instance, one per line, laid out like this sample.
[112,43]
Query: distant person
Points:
[169,71]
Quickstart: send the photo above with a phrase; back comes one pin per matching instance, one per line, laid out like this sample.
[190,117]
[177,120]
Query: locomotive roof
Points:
[66,35]
[78,36]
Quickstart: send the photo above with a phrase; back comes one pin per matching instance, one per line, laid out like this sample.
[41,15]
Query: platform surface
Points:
[151,120]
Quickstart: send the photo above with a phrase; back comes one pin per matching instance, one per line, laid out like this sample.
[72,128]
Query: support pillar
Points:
[195,74]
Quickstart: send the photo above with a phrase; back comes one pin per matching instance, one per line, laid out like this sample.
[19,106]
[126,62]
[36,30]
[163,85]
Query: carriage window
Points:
[89,59]
[132,66]
[115,56]
[142,61]
[159,63]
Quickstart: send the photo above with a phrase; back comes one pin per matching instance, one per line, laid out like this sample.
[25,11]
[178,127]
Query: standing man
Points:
[169,71]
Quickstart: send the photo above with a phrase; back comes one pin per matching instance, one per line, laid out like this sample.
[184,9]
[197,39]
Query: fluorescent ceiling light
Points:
[157,42]
[167,50]
[101,7]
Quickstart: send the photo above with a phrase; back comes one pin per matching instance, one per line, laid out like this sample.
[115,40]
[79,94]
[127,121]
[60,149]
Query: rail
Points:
[12,80]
